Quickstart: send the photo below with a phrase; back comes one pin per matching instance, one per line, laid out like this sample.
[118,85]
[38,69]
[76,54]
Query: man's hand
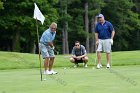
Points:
[53,47]
[97,42]
[111,41]
[78,58]
[73,56]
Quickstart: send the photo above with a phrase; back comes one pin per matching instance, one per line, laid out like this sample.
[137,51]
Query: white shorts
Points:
[104,45]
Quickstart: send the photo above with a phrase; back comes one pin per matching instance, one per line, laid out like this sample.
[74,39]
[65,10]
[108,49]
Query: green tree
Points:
[1,5]
[125,22]
[83,14]
[18,25]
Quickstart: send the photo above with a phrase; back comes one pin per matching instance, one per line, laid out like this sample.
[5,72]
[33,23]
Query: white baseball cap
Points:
[100,15]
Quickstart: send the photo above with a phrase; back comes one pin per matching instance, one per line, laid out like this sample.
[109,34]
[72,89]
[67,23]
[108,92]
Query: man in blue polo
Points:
[104,34]
[47,48]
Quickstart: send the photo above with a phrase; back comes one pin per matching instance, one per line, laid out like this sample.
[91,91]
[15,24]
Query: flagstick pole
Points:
[39,50]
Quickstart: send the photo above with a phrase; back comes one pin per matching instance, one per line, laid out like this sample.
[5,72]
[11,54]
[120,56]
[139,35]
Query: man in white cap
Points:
[104,34]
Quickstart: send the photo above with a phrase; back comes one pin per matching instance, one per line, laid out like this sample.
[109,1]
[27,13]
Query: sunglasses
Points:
[53,28]
[77,45]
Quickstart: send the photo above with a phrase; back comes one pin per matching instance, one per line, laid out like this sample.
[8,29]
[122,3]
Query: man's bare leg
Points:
[51,63]
[46,63]
[108,58]
[85,60]
[99,57]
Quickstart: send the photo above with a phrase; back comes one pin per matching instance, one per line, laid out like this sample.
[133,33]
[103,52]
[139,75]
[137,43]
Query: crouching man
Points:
[79,55]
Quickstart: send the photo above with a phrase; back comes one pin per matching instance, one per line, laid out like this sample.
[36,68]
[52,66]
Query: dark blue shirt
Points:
[104,31]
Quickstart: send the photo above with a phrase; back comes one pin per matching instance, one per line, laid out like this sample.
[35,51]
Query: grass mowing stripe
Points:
[79,80]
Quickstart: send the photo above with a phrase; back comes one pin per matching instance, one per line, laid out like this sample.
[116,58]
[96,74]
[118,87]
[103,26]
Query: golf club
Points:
[45,78]
[95,60]
[111,58]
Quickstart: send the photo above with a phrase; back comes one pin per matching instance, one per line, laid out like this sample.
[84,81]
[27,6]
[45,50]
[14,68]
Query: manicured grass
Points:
[19,73]
[12,60]
[119,79]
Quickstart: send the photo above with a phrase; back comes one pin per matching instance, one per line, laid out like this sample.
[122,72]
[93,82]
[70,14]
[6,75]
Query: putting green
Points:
[119,79]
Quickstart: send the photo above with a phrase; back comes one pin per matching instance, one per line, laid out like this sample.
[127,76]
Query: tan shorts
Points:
[104,45]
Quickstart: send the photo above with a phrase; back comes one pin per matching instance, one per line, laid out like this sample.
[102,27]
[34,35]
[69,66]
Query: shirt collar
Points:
[103,23]
[52,32]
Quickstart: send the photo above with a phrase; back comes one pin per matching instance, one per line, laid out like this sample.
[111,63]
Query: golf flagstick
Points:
[39,50]
[38,16]
[95,60]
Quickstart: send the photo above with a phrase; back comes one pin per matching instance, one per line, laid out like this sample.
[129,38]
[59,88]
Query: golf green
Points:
[118,79]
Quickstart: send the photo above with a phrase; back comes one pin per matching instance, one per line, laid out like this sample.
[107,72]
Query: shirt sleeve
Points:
[83,50]
[96,28]
[73,51]
[111,28]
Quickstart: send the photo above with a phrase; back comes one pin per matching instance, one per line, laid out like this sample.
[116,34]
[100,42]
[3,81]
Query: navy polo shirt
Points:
[104,31]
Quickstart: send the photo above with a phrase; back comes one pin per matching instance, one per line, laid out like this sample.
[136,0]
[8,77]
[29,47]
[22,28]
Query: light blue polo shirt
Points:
[47,36]
[104,31]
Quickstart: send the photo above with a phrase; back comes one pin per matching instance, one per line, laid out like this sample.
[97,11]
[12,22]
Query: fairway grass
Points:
[119,79]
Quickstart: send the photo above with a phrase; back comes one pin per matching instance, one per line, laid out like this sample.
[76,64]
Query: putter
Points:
[95,63]
[45,78]
[95,60]
[111,58]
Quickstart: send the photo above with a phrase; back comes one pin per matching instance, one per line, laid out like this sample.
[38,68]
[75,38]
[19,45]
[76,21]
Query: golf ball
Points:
[93,68]
[65,68]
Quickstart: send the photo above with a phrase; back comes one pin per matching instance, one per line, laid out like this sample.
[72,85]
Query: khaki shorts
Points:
[46,51]
[104,45]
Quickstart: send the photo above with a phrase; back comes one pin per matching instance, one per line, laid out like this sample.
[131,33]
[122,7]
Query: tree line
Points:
[76,20]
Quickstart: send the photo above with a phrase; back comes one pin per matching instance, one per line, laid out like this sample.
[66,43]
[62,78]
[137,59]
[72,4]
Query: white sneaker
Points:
[45,72]
[108,66]
[49,72]
[99,66]
[53,72]
[85,65]
[76,65]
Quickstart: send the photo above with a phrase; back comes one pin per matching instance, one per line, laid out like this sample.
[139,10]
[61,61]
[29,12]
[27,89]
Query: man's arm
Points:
[73,56]
[83,50]
[113,34]
[96,38]
[73,53]
[82,56]
[51,44]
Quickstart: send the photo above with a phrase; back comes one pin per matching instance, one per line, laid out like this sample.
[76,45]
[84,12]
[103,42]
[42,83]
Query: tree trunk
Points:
[93,24]
[63,44]
[87,26]
[138,32]
[65,31]
[16,41]
[32,46]
[66,39]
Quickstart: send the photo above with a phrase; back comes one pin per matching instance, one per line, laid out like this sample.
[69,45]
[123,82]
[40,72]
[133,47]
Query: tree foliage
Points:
[18,28]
